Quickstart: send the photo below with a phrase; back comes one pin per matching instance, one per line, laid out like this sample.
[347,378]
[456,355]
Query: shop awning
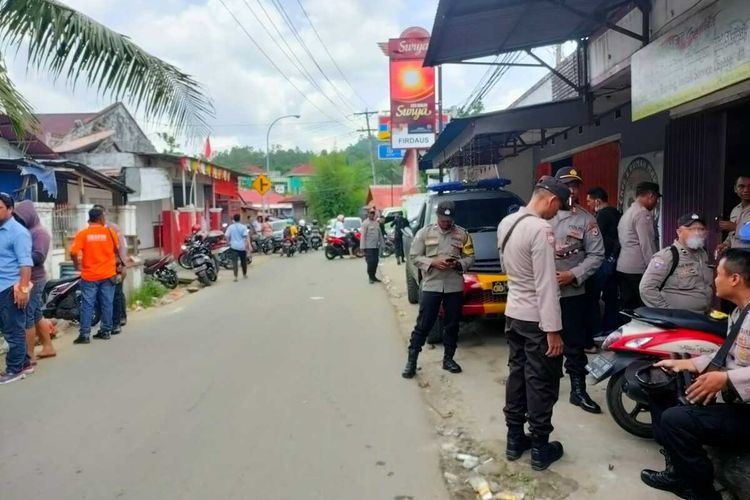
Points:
[468,29]
[489,137]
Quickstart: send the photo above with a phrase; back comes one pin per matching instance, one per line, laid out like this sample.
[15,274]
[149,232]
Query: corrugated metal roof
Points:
[468,29]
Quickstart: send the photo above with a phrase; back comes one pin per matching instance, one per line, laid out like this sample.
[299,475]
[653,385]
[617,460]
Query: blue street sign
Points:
[385,152]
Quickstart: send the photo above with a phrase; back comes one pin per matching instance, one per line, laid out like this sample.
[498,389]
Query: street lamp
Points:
[268,154]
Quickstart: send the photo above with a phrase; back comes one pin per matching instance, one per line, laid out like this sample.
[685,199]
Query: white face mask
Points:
[695,242]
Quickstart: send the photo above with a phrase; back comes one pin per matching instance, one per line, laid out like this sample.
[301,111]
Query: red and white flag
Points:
[207,150]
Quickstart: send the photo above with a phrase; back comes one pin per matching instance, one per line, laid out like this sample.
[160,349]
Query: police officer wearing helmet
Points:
[442,252]
[579,251]
[678,277]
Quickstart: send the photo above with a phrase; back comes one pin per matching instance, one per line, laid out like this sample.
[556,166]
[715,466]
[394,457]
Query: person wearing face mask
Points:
[678,277]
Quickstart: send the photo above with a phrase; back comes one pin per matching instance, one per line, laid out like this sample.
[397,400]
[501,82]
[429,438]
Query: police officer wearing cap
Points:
[442,252]
[579,251]
[678,277]
[526,244]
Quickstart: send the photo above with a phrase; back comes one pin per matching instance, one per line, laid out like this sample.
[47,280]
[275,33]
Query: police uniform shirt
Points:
[529,262]
[371,235]
[579,247]
[432,242]
[638,242]
[740,215]
[690,287]
[738,360]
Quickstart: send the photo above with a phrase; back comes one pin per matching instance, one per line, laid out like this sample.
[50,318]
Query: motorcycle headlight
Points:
[639,342]
[183,247]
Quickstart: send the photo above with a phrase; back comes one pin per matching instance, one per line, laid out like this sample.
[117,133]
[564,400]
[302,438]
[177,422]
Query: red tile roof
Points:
[301,170]
[380,196]
[252,169]
[253,198]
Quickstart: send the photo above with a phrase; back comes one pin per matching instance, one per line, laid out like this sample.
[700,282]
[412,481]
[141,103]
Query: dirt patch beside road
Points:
[600,459]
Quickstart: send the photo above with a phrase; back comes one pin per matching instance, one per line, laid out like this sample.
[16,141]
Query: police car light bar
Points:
[464,186]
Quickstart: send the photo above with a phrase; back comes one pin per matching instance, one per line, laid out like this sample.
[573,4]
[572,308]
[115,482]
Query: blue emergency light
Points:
[485,184]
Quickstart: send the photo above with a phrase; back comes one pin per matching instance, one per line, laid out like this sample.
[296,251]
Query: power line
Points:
[268,58]
[288,20]
[330,56]
[291,56]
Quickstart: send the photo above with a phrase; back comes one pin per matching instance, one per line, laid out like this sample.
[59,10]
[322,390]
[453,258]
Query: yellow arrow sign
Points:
[262,184]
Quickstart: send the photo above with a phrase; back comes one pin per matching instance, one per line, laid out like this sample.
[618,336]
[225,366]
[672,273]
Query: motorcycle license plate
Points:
[499,288]
[599,367]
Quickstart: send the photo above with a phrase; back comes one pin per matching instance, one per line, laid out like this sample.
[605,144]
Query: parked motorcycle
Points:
[389,247]
[215,241]
[162,269]
[651,335]
[288,247]
[204,264]
[224,255]
[338,246]
[62,300]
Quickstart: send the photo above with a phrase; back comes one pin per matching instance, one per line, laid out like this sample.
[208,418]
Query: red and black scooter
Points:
[651,335]
[338,246]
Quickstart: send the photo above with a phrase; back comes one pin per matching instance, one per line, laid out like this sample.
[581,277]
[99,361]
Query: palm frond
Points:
[67,43]
[15,106]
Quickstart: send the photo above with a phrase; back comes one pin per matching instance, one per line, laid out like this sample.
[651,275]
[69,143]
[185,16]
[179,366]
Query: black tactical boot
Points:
[666,480]
[518,442]
[449,364]
[544,452]
[411,364]
[579,396]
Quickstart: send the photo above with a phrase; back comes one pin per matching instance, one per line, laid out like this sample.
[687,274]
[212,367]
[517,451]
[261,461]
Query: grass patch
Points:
[147,294]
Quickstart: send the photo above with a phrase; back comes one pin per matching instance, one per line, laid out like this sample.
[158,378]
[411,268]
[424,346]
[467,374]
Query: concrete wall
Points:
[128,135]
[539,93]
[8,151]
[91,196]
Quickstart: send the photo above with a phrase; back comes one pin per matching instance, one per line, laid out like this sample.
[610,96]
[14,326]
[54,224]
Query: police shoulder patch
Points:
[657,262]
[551,237]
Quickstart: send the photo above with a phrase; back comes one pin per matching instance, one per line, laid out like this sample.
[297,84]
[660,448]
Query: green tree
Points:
[386,172]
[282,160]
[338,187]
[475,107]
[61,41]
[170,141]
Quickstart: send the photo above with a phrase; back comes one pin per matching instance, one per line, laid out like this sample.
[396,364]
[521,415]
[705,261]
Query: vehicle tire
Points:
[412,287]
[387,251]
[330,253]
[204,279]
[212,273]
[184,261]
[267,247]
[225,261]
[627,419]
[359,253]
[436,334]
[169,279]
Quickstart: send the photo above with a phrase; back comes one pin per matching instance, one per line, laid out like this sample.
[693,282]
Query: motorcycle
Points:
[303,240]
[651,335]
[389,247]
[338,246]
[62,300]
[204,264]
[288,247]
[224,255]
[162,269]
[214,240]
[316,240]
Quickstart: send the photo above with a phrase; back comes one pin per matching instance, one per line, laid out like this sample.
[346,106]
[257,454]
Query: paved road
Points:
[284,386]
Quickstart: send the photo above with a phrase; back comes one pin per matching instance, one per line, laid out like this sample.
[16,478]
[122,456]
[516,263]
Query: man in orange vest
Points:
[94,253]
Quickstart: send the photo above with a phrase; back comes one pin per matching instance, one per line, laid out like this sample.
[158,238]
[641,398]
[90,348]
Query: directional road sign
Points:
[262,184]
[386,153]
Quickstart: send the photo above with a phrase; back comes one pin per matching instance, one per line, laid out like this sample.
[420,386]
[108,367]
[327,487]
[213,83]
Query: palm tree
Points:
[66,43]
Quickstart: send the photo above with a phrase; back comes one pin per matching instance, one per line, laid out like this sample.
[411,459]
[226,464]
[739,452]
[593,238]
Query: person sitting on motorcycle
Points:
[266,229]
[340,231]
[719,397]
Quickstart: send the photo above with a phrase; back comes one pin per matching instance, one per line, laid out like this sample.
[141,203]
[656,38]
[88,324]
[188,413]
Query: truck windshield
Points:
[482,214]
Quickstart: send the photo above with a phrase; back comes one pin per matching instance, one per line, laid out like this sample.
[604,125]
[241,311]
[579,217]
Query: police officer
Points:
[579,251]
[442,252]
[526,243]
[638,243]
[678,277]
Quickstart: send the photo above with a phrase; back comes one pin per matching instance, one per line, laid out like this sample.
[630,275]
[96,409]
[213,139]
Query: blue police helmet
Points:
[744,232]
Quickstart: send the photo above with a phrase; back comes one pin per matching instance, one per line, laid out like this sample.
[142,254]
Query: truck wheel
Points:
[436,334]
[412,287]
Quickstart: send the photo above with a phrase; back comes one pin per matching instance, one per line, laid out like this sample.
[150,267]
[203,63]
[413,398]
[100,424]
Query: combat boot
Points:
[517,442]
[665,480]
[544,452]
[579,396]
[411,364]
[449,364]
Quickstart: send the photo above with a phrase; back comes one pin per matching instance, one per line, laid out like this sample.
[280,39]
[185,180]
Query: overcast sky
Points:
[202,38]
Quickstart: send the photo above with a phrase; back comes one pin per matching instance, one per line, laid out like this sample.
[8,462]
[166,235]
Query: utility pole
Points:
[369,134]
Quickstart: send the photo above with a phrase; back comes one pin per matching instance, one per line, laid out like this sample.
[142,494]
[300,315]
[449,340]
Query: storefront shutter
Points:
[599,167]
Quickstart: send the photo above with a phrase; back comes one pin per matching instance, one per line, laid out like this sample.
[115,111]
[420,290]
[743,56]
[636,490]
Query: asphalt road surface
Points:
[284,386]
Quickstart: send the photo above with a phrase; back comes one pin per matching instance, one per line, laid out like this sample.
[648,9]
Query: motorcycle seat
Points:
[50,284]
[678,318]
[157,262]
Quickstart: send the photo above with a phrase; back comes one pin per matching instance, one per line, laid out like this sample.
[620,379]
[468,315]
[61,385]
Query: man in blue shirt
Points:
[15,287]
[239,242]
